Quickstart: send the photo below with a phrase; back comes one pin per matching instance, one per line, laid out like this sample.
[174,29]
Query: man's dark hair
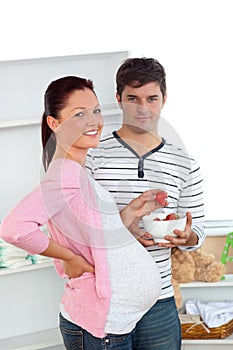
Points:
[136,72]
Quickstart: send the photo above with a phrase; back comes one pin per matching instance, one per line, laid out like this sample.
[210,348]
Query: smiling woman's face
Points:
[80,122]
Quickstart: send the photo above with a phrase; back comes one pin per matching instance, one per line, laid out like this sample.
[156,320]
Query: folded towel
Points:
[214,314]
[13,257]
[37,259]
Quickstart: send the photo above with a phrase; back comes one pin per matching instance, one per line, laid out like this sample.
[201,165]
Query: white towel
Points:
[13,257]
[214,314]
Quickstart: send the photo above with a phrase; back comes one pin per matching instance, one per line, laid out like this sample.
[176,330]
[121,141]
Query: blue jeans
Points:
[159,328]
[76,338]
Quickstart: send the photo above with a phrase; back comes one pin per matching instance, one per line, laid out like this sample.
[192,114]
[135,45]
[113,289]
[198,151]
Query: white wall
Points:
[192,39]
[20,164]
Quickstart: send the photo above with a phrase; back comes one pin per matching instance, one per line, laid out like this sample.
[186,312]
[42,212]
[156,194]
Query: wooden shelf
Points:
[218,227]
[19,123]
[30,122]
[228,340]
[41,265]
[227,282]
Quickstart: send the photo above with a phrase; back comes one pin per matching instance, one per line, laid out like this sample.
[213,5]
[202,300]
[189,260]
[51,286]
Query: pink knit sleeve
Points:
[21,227]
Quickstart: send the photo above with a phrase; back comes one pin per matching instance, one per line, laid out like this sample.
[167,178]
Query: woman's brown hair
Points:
[55,99]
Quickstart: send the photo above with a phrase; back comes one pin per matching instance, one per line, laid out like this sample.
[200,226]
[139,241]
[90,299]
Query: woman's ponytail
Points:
[48,142]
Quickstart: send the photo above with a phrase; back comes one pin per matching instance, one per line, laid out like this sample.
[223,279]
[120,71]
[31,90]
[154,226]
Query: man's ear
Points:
[164,100]
[52,122]
[118,97]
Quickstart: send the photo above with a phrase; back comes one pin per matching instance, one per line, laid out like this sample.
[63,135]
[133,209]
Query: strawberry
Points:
[172,216]
[161,198]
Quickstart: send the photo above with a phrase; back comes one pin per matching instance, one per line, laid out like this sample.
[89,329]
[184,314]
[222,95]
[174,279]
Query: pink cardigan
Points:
[65,200]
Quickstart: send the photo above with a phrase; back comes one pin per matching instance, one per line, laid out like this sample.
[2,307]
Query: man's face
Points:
[141,107]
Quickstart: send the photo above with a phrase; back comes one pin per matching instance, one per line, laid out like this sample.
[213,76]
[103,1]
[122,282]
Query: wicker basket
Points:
[194,328]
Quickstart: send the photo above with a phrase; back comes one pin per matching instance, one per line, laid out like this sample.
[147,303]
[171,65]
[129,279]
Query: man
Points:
[136,158]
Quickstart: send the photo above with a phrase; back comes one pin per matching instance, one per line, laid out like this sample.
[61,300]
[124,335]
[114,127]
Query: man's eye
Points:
[97,110]
[131,98]
[152,99]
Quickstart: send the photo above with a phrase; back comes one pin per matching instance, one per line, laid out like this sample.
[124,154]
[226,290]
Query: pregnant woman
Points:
[112,281]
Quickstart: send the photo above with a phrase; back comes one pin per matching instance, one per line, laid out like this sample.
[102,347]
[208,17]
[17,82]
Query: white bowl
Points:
[159,229]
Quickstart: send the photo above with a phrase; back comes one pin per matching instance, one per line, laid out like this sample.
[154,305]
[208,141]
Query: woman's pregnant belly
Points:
[135,285]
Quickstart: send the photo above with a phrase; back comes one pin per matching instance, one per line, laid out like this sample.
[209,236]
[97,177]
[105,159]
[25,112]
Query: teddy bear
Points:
[194,266]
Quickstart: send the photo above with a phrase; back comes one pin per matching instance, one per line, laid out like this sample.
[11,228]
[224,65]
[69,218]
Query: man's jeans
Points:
[159,328]
[76,338]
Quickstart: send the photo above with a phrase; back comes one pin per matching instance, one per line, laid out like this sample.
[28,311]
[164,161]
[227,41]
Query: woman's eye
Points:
[79,114]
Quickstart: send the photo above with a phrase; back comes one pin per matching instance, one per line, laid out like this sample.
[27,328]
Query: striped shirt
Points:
[120,170]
